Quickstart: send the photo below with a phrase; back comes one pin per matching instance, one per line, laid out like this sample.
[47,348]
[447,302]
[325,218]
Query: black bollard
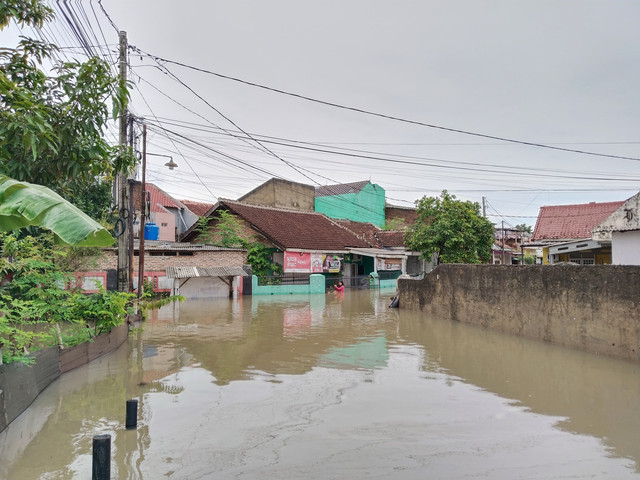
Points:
[101,457]
[132,413]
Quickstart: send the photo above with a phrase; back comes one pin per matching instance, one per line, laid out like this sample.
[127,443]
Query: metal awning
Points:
[379,253]
[586,244]
[189,272]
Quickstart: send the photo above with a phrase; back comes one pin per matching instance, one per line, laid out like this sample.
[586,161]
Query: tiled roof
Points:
[291,229]
[375,236]
[365,230]
[199,208]
[391,238]
[341,189]
[159,199]
[571,222]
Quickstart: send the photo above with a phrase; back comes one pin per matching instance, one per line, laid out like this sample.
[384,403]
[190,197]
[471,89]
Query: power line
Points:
[380,115]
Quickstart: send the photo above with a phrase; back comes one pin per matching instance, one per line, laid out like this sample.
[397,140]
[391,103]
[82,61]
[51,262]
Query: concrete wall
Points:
[282,194]
[316,285]
[625,248]
[20,384]
[593,308]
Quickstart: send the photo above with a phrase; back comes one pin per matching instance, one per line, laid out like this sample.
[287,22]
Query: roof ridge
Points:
[265,207]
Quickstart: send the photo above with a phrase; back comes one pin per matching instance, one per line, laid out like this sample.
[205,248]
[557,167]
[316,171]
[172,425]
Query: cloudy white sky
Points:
[562,73]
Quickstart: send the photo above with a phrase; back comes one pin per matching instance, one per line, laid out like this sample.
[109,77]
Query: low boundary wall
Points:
[20,384]
[594,308]
[315,285]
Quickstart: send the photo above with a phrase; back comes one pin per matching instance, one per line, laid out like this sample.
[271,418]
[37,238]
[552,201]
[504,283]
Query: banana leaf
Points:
[25,204]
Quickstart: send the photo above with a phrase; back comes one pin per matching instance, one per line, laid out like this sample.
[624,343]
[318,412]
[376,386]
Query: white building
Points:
[622,228]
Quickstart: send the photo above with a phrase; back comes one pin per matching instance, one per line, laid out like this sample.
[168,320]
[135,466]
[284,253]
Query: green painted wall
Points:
[316,285]
[364,206]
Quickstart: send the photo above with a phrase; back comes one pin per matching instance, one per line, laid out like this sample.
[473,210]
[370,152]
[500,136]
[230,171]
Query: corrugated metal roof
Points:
[341,189]
[188,272]
[180,246]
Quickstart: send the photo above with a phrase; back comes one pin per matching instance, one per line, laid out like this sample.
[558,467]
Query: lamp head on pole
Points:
[171,164]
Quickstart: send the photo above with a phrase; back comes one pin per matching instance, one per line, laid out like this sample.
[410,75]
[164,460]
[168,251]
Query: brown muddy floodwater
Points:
[327,387]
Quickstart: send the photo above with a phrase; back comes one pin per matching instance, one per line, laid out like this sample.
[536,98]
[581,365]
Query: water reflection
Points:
[332,387]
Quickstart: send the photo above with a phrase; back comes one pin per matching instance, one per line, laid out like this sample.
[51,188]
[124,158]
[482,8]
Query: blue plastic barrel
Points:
[151,231]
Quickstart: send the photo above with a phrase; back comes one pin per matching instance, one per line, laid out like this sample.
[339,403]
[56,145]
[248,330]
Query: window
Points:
[582,258]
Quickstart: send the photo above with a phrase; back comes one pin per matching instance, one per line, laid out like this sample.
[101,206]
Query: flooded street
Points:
[332,387]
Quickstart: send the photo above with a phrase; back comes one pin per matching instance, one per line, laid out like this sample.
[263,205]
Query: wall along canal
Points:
[332,387]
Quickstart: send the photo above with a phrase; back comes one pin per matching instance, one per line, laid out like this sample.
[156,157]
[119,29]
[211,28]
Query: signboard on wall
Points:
[297,262]
[331,263]
[316,263]
[389,264]
[302,262]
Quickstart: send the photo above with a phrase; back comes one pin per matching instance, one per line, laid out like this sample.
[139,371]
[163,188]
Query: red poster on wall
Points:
[297,262]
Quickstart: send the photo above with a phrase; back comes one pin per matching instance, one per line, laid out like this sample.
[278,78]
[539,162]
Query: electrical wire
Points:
[380,115]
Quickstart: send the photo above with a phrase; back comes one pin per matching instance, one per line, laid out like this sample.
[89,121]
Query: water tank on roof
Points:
[151,231]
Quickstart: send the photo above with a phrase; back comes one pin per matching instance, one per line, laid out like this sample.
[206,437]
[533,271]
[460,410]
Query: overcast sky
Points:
[560,73]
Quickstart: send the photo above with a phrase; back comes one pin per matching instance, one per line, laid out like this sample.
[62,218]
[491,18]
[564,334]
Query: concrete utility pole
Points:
[484,207]
[122,184]
[143,211]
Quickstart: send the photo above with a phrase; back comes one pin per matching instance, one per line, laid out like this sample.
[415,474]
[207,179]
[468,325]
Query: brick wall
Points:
[211,258]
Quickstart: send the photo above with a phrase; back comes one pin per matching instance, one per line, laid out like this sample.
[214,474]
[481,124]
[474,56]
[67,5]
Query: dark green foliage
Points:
[452,230]
[52,126]
[35,310]
[523,227]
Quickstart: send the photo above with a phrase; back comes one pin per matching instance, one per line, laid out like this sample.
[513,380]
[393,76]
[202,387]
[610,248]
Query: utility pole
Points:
[502,261]
[143,211]
[123,184]
[484,207]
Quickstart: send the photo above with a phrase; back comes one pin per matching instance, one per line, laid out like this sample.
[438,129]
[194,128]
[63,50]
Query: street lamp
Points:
[171,164]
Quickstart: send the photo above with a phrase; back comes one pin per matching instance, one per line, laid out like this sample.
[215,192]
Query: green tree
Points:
[229,230]
[523,227]
[452,230]
[52,125]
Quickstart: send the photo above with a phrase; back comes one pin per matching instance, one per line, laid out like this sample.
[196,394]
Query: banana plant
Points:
[25,204]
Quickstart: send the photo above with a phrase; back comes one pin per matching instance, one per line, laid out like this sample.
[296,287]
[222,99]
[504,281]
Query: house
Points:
[170,215]
[191,270]
[358,201]
[510,246]
[622,229]
[306,242]
[563,233]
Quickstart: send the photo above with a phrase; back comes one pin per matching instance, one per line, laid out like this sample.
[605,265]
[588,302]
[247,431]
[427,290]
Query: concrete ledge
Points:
[594,308]
[20,384]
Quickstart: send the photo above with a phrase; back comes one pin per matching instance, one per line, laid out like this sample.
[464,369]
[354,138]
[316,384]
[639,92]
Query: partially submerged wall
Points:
[20,384]
[593,308]
[316,285]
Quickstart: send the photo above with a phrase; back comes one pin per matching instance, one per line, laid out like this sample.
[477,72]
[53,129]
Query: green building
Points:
[358,201]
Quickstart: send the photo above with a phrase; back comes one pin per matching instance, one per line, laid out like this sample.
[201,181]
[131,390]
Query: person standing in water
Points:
[339,287]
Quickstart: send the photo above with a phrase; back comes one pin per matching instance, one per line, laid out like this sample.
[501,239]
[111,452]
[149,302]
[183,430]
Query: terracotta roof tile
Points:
[199,208]
[571,222]
[295,228]
[365,230]
[341,189]
[391,238]
[160,199]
